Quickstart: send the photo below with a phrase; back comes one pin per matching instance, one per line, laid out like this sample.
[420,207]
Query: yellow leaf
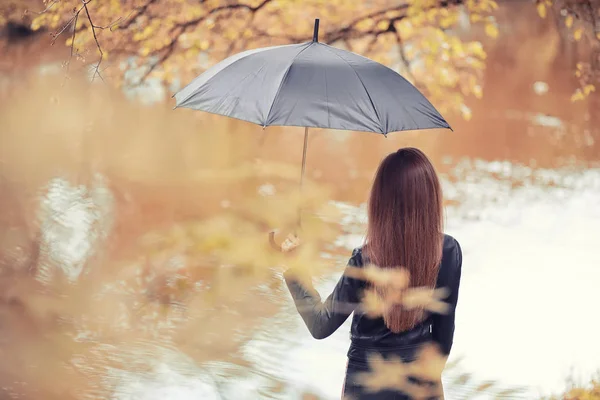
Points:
[587,89]
[405,27]
[541,9]
[382,25]
[577,34]
[578,95]
[466,112]
[491,30]
[598,35]
[447,22]
[35,25]
[569,21]
[476,49]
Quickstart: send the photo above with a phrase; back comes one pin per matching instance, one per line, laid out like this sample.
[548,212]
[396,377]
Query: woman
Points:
[405,228]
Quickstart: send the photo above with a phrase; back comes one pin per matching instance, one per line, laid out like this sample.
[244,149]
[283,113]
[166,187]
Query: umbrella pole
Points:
[272,233]
[302,173]
[304,156]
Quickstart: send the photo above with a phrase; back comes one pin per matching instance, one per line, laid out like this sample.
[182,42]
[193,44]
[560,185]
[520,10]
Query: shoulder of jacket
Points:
[452,252]
[450,243]
[356,260]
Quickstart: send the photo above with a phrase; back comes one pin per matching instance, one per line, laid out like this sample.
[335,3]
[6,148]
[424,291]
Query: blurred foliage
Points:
[198,283]
[582,20]
[589,391]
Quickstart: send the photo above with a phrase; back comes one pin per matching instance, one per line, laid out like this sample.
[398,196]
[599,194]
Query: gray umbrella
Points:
[310,85]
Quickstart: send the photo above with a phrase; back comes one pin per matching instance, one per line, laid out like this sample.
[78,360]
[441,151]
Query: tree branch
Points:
[196,21]
[93,28]
[403,56]
[132,18]
[72,44]
[167,52]
[178,29]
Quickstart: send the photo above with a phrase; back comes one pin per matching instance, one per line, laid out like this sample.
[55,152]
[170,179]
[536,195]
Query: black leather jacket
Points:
[367,334]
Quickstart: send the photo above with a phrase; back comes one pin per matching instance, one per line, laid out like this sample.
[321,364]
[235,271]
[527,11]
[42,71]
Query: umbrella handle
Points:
[279,247]
[273,243]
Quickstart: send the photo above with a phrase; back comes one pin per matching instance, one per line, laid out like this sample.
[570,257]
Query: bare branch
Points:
[109,26]
[403,56]
[132,18]
[93,28]
[68,64]
[48,7]
[167,52]
[178,29]
[67,25]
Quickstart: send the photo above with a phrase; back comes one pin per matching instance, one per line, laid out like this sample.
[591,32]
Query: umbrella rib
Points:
[364,87]
[287,71]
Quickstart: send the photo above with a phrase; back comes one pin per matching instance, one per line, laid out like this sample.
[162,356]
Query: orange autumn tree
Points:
[174,40]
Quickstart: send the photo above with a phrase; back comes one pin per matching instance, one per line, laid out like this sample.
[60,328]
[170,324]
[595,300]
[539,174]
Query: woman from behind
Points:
[405,233]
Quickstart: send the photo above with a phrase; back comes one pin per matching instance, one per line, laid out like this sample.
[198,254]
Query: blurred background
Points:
[134,261]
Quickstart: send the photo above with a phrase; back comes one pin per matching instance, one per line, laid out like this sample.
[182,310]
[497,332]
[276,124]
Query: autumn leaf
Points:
[491,29]
[373,304]
[569,21]
[384,374]
[466,112]
[392,373]
[589,88]
[426,298]
[541,9]
[577,96]
[397,278]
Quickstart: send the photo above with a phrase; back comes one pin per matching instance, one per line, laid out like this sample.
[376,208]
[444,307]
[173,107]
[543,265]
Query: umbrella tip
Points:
[316,32]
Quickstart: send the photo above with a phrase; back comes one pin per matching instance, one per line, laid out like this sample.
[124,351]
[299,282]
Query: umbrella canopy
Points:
[311,85]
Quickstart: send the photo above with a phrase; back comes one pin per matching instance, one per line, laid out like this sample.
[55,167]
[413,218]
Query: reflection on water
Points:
[168,375]
[73,219]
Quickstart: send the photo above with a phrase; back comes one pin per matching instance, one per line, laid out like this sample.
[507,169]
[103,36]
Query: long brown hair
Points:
[405,225]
